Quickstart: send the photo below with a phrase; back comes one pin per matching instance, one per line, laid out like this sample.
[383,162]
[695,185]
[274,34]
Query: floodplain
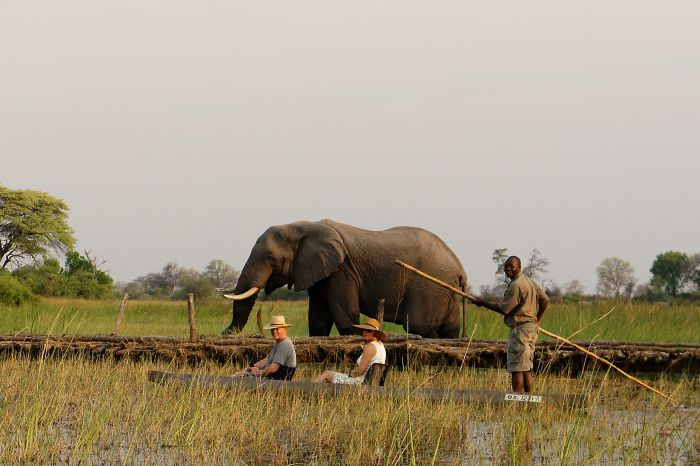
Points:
[56,410]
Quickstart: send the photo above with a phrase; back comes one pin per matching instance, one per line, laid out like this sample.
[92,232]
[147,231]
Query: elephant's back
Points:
[413,245]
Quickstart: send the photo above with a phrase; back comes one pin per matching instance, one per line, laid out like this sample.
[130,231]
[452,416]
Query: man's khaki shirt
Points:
[520,300]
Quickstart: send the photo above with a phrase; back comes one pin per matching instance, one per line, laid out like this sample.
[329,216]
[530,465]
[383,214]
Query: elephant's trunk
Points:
[241,312]
[244,296]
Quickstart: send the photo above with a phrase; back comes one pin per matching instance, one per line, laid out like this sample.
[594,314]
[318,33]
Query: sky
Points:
[180,130]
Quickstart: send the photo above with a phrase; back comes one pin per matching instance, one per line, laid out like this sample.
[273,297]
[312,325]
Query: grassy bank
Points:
[75,411]
[631,322]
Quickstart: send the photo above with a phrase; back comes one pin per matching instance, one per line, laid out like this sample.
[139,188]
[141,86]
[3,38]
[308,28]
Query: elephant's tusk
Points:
[247,294]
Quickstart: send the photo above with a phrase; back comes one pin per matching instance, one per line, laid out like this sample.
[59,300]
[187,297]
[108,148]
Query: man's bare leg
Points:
[529,381]
[517,382]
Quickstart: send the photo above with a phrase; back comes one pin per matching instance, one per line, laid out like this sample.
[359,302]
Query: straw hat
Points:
[276,322]
[372,325]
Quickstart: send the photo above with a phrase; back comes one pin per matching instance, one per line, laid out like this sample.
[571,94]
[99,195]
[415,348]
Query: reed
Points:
[73,410]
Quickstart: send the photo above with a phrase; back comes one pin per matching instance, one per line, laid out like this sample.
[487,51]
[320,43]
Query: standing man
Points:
[523,305]
[281,363]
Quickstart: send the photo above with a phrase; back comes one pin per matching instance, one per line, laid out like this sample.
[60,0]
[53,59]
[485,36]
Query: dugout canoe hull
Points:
[401,351]
[400,393]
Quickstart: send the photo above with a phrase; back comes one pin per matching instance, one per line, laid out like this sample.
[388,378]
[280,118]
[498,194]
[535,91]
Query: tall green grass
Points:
[75,411]
[630,322]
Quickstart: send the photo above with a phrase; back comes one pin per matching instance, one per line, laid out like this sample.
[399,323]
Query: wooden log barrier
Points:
[401,351]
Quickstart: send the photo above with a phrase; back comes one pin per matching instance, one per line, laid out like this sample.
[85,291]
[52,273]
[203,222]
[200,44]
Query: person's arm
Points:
[256,368]
[368,353]
[490,306]
[509,303]
[269,370]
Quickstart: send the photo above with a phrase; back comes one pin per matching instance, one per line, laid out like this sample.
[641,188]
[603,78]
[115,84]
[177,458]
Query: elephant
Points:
[346,270]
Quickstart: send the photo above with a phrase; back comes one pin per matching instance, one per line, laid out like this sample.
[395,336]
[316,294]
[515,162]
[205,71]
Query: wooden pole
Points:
[120,315]
[546,332]
[464,311]
[380,310]
[190,317]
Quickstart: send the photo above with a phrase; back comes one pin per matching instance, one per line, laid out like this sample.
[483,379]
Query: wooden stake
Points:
[380,310]
[190,317]
[546,332]
[120,315]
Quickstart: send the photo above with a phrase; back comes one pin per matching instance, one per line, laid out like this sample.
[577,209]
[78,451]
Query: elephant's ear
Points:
[320,253]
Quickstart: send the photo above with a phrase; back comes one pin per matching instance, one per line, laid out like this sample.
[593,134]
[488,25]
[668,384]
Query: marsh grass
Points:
[629,322]
[56,410]
[78,411]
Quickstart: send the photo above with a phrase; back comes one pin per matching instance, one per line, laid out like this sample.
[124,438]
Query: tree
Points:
[32,223]
[693,273]
[499,256]
[670,270]
[13,291]
[195,282]
[222,274]
[536,264]
[45,279]
[614,275]
[574,287]
[574,291]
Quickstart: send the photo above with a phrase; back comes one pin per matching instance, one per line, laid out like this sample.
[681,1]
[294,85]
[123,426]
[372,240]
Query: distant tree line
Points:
[34,229]
[174,282]
[675,278]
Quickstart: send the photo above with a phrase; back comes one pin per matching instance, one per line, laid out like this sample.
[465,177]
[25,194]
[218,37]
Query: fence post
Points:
[190,316]
[120,315]
[380,310]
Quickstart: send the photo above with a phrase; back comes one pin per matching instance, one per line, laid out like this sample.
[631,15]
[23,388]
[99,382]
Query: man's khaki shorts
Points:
[521,347]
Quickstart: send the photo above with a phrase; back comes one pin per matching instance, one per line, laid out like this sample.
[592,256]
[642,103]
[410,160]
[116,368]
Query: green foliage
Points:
[45,279]
[32,223]
[13,292]
[84,284]
[693,272]
[669,271]
[75,262]
[191,281]
[77,279]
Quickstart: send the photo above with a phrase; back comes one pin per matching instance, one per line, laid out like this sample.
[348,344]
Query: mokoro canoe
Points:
[433,394]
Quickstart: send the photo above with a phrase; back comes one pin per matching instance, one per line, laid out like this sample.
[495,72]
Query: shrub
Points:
[14,292]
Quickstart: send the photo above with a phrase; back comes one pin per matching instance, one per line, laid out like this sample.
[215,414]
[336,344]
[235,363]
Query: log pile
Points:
[401,351]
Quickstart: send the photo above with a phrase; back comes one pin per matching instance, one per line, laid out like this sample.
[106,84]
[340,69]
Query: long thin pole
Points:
[546,332]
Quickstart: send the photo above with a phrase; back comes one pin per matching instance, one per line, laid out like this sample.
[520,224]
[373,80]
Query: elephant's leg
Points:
[320,318]
[449,328]
[344,306]
[430,316]
[346,313]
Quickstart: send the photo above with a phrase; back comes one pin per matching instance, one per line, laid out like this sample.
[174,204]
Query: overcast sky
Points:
[179,131]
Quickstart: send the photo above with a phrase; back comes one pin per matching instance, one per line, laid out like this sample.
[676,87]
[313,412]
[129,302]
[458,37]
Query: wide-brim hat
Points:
[372,325]
[277,322]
